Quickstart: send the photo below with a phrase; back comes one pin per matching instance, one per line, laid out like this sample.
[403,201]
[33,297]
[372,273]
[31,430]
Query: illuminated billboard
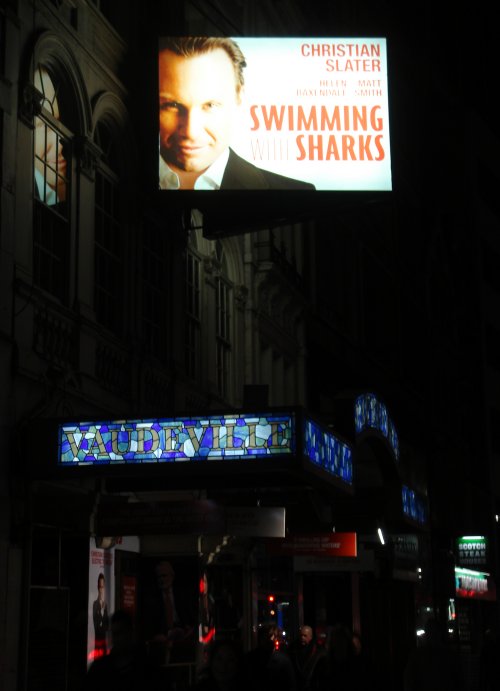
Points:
[299,114]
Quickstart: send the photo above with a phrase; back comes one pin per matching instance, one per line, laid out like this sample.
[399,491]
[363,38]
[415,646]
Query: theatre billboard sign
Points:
[313,110]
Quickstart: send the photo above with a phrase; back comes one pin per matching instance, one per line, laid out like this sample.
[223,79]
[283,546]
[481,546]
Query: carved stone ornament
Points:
[89,155]
[241,296]
[212,266]
[30,104]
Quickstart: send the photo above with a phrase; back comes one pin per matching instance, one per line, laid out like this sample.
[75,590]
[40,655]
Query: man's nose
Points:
[193,123]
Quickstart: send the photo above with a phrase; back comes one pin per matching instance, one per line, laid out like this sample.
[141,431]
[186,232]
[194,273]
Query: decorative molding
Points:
[241,296]
[88,154]
[30,104]
[212,266]
[55,339]
[112,369]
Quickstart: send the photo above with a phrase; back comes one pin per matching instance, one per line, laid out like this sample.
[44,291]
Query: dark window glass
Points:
[193,326]
[109,279]
[154,303]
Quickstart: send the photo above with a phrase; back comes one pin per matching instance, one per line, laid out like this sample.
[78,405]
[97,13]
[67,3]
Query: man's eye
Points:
[169,105]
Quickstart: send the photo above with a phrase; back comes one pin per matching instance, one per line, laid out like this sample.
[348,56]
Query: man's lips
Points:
[190,150]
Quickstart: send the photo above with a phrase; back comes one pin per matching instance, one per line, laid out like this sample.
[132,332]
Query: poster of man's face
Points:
[168,596]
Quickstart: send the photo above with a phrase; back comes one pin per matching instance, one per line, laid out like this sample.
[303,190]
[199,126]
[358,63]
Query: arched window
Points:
[51,170]
[52,166]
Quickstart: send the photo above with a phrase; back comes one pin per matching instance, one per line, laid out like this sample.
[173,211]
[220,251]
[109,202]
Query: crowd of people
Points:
[305,665]
[337,661]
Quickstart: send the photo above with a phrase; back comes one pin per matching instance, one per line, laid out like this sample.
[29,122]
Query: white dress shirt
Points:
[211,179]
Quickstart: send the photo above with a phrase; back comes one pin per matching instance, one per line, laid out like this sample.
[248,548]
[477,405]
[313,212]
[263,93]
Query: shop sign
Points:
[471,550]
[128,594]
[316,544]
[405,547]
[203,517]
[167,518]
[256,521]
[363,562]
[474,584]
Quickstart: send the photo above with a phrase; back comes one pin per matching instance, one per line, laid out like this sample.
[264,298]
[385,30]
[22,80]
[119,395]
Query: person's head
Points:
[101,584]
[200,87]
[50,161]
[341,646]
[225,661]
[269,636]
[306,635]
[165,575]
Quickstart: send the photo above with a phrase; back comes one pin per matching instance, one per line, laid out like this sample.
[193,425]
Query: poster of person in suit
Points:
[200,88]
[100,617]
[100,600]
[168,607]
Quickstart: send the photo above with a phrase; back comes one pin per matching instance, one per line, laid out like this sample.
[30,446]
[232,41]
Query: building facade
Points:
[118,306]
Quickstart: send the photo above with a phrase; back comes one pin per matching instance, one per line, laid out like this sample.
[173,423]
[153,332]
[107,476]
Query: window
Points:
[109,284]
[51,238]
[193,328]
[51,182]
[223,325]
[154,315]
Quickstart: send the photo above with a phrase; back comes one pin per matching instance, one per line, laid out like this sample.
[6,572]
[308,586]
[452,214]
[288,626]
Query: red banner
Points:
[128,594]
[315,544]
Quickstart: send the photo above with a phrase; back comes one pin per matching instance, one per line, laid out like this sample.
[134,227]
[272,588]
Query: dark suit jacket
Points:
[243,175]
[101,621]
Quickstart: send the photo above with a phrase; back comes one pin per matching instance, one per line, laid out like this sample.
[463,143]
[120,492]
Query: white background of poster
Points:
[277,74]
[100,561]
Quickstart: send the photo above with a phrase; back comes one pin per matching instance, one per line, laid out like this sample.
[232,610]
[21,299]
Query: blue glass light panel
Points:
[370,413]
[221,437]
[413,506]
[327,452]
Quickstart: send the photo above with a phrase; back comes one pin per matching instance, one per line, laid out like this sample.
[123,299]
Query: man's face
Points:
[305,635]
[198,104]
[165,575]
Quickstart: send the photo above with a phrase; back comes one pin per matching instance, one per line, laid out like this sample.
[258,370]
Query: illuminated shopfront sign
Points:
[471,550]
[473,584]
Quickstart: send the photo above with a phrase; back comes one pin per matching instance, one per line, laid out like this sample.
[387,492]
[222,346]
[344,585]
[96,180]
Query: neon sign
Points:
[328,452]
[413,505]
[370,413]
